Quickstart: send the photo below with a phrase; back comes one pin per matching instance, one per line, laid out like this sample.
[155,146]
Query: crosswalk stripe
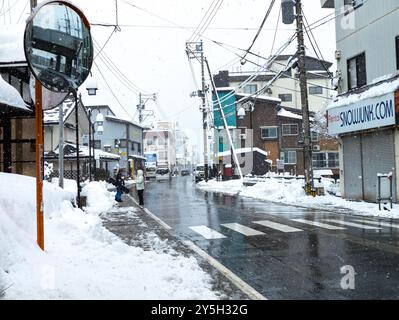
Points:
[207,233]
[277,226]
[318,224]
[351,224]
[246,231]
[380,223]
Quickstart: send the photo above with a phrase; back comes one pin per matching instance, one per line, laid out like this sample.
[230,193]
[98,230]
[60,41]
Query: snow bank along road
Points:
[281,251]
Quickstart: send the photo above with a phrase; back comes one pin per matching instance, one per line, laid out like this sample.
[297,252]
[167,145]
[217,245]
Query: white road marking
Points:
[153,216]
[380,223]
[207,233]
[318,224]
[351,224]
[246,231]
[241,284]
[277,226]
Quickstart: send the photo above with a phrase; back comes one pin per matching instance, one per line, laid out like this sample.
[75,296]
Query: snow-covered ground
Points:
[83,260]
[291,192]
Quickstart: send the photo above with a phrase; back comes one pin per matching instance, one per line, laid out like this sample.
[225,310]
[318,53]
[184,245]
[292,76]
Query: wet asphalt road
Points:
[290,259]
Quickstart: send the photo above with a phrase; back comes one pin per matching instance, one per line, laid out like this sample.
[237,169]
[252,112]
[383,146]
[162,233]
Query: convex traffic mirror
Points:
[58,45]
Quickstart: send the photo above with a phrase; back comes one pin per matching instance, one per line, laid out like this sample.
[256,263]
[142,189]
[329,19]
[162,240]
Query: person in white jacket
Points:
[140,185]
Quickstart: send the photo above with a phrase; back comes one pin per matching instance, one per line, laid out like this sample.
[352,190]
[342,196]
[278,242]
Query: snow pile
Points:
[98,198]
[291,192]
[228,187]
[82,259]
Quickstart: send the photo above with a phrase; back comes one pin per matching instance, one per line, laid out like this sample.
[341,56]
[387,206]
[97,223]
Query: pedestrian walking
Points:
[119,183]
[140,185]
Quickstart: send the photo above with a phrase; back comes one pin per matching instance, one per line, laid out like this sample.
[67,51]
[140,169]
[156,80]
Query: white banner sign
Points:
[364,114]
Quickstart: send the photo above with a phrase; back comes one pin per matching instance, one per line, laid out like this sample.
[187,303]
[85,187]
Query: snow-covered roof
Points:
[225,89]
[242,150]
[120,119]
[84,152]
[260,97]
[10,96]
[320,173]
[375,90]
[52,115]
[288,114]
[12,43]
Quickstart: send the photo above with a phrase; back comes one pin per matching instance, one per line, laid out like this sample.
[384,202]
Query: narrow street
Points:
[283,252]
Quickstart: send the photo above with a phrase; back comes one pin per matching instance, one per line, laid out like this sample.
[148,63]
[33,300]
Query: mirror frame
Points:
[85,21]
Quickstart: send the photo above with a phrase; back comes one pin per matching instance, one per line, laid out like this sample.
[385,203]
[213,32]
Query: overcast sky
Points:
[150,48]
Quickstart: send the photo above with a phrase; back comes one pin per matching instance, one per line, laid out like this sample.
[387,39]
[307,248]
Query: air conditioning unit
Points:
[338,54]
[316,148]
[269,91]
[243,136]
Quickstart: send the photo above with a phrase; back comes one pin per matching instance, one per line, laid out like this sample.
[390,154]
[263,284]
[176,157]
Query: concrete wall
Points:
[370,28]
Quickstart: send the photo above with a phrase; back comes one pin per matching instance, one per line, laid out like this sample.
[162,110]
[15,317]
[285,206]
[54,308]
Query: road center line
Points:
[237,281]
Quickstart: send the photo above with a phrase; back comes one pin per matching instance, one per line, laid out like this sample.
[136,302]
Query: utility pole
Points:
[198,53]
[141,105]
[307,147]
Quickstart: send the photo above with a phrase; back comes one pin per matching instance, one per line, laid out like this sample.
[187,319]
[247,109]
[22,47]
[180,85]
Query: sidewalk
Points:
[136,228]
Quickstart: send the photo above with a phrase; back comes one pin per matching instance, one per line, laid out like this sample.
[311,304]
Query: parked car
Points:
[162,174]
[185,173]
[151,173]
[199,173]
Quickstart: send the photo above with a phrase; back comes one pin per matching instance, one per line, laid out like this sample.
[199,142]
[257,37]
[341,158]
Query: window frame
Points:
[281,95]
[319,90]
[249,91]
[286,162]
[361,75]
[268,127]
[290,125]
[397,51]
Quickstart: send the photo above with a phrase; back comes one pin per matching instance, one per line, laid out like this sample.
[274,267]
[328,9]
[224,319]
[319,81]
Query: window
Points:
[326,160]
[319,160]
[250,88]
[286,97]
[97,144]
[315,136]
[333,159]
[289,157]
[290,129]
[149,142]
[397,52]
[133,148]
[107,148]
[357,76]
[269,132]
[139,147]
[315,90]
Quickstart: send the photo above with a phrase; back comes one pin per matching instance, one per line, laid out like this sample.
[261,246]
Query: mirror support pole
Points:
[75,94]
[39,164]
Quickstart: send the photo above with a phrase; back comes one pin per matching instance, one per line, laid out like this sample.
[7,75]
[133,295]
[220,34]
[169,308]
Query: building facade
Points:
[162,141]
[118,136]
[364,114]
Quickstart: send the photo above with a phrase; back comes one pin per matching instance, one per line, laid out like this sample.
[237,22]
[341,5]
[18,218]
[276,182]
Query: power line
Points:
[22,13]
[202,31]
[260,28]
[197,28]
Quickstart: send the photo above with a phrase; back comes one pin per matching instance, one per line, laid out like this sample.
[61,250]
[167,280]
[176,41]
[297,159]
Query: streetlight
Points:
[91,86]
[241,112]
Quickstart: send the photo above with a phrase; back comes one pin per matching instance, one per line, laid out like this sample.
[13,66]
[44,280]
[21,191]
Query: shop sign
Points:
[362,115]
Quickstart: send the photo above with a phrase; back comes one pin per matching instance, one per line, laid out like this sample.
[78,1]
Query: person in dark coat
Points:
[119,183]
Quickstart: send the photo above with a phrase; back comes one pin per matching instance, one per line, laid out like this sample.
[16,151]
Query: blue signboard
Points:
[150,159]
[228,103]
